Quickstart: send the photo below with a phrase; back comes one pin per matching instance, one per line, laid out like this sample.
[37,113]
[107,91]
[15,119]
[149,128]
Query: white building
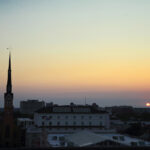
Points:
[24,123]
[70,118]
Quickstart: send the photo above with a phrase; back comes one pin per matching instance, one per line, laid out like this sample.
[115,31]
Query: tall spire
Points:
[9,84]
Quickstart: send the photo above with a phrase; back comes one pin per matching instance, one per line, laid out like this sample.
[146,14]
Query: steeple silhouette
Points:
[9,82]
[8,118]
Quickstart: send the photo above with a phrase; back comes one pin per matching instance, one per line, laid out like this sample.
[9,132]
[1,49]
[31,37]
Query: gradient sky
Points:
[64,50]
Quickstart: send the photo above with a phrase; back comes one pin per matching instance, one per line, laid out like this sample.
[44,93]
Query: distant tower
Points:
[8,120]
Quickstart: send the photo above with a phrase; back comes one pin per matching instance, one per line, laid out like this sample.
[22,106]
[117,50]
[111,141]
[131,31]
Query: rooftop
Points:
[71,109]
[88,138]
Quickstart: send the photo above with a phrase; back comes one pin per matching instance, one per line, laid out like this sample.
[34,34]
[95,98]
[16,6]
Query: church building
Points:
[9,133]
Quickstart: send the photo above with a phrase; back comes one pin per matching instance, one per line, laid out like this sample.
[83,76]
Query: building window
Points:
[50,123]
[133,143]
[82,117]
[121,138]
[50,117]
[43,117]
[74,123]
[66,123]
[90,117]
[100,123]
[54,138]
[58,117]
[62,138]
[82,123]
[66,117]
[90,123]
[141,143]
[115,137]
[74,117]
[100,117]
[58,123]
[43,123]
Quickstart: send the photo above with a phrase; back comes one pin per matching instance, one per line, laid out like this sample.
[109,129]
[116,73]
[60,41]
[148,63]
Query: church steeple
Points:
[9,82]
[8,119]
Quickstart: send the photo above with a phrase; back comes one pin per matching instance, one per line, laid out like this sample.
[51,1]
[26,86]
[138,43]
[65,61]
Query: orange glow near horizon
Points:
[82,74]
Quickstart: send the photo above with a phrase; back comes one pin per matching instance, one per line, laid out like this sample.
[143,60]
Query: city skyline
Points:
[63,51]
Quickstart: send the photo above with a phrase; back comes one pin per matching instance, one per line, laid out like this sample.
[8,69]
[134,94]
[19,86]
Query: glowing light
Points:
[148,104]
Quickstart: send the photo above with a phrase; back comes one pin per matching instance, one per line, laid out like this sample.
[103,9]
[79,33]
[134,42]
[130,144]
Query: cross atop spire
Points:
[9,84]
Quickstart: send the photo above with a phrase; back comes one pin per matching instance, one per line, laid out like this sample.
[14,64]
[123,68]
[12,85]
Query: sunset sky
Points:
[64,50]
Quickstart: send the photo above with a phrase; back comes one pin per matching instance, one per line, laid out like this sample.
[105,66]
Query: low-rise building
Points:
[91,139]
[40,138]
[30,106]
[24,123]
[36,138]
[71,118]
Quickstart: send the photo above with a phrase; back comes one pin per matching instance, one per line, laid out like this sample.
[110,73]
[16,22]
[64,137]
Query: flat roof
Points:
[70,109]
